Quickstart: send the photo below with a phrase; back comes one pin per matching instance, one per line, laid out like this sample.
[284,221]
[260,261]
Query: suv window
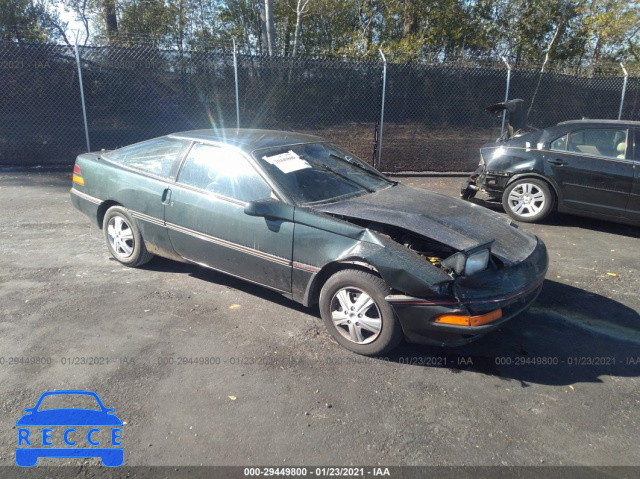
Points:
[610,143]
[154,156]
[223,172]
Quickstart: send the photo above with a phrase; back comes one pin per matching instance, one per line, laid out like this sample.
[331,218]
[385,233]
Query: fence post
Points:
[84,108]
[384,87]
[624,90]
[235,70]
[506,95]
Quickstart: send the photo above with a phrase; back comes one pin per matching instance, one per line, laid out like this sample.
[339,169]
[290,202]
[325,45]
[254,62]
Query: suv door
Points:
[633,206]
[593,169]
[207,224]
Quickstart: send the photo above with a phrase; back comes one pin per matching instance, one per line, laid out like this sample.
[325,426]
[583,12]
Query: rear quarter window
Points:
[157,157]
[560,143]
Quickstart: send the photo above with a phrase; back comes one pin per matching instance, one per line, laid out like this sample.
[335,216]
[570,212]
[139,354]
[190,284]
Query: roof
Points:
[604,122]
[248,139]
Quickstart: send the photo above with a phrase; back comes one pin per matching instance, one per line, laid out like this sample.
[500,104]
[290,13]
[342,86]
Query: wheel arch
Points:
[102,211]
[312,293]
[555,190]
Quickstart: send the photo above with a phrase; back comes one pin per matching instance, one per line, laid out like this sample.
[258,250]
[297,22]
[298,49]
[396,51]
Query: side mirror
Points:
[270,208]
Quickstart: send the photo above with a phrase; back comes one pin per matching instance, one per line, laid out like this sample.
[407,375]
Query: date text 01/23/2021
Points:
[318,471]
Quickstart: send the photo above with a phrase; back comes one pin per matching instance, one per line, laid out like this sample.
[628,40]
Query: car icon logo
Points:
[65,432]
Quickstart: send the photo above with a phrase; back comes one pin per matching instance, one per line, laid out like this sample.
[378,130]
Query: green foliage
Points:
[582,33]
[30,21]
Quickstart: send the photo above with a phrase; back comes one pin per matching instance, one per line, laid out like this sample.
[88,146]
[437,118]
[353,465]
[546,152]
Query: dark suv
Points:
[584,167]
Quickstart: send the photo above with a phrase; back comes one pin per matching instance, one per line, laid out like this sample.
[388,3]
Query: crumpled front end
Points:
[479,303]
[455,270]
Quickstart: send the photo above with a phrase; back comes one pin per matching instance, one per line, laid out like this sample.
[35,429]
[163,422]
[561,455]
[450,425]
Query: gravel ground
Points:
[558,385]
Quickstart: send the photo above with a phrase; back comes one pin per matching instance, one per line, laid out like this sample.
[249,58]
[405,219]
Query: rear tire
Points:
[355,313]
[528,200]
[123,238]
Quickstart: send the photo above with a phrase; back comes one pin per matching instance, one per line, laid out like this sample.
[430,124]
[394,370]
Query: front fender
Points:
[406,271]
[402,269]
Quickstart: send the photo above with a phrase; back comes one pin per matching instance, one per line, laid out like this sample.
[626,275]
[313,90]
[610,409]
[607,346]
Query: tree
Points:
[300,10]
[577,33]
[31,21]
[110,19]
[269,35]
[611,29]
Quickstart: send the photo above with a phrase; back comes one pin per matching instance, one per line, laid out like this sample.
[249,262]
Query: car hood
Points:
[447,220]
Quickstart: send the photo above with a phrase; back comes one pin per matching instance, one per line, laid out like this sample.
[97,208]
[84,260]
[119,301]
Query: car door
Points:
[207,225]
[140,185]
[593,169]
[633,206]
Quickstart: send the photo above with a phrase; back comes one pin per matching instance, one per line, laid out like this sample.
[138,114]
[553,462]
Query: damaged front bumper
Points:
[511,291]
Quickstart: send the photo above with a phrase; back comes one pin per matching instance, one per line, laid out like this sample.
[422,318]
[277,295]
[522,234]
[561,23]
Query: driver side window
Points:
[223,172]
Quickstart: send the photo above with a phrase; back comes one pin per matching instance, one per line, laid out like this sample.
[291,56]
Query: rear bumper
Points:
[484,185]
[469,188]
[513,293]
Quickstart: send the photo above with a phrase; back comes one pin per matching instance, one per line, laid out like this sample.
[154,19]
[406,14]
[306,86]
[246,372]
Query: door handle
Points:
[557,162]
[166,197]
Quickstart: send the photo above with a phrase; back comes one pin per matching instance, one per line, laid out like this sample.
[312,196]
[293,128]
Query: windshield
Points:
[320,172]
[64,401]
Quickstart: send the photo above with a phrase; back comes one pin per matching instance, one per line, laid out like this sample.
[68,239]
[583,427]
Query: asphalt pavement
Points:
[204,369]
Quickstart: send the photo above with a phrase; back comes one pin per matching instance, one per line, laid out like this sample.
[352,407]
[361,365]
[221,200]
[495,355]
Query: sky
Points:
[73,24]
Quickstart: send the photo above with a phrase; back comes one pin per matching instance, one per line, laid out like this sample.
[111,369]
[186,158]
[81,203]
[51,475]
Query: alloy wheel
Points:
[356,315]
[121,237]
[526,200]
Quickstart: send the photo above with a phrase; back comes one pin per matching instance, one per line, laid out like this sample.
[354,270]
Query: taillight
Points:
[77,175]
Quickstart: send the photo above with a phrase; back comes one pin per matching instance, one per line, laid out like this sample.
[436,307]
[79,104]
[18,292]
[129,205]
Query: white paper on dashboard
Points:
[287,162]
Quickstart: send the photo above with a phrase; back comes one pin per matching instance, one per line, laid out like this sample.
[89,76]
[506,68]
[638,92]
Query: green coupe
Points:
[303,217]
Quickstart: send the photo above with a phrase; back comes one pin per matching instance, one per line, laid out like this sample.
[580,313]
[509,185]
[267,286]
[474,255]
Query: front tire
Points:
[528,200]
[355,313]
[123,238]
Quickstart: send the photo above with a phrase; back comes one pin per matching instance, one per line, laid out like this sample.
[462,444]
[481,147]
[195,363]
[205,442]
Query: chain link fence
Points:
[434,116]
[40,106]
[334,99]
[133,94]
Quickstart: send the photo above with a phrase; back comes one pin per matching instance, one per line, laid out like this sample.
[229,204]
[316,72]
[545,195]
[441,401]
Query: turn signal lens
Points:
[469,320]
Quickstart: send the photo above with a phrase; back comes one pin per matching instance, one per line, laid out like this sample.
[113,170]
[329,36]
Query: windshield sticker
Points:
[287,162]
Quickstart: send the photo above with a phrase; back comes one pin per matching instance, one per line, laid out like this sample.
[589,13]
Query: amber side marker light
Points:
[77,175]
[469,320]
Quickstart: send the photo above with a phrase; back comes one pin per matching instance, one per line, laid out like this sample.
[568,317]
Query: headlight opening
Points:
[471,260]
